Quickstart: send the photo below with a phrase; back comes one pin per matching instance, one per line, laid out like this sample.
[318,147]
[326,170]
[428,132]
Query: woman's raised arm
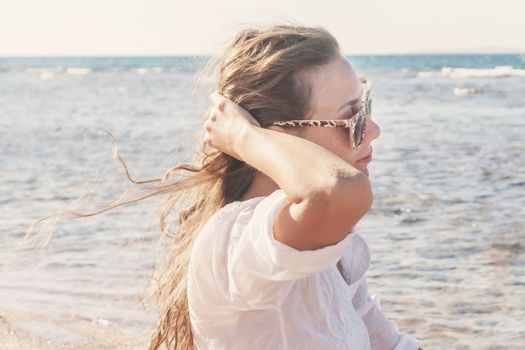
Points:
[328,196]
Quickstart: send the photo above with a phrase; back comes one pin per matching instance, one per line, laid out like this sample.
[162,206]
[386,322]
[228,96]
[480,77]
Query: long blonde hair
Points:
[259,70]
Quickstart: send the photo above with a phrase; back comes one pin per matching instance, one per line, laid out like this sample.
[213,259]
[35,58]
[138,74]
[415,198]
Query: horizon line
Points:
[411,53]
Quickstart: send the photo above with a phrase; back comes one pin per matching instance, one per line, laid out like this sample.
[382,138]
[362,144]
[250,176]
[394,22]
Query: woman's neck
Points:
[262,185]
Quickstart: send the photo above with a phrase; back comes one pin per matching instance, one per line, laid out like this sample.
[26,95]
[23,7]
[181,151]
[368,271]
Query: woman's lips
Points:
[366,160]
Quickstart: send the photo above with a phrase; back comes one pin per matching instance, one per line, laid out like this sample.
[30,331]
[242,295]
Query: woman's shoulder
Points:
[218,238]
[236,211]
[229,220]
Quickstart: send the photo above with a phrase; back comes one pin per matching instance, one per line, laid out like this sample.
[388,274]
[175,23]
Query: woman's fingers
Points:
[207,125]
[218,100]
[214,96]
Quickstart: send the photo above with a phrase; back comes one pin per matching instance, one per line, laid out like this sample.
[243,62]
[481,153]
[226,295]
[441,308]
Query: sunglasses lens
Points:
[358,131]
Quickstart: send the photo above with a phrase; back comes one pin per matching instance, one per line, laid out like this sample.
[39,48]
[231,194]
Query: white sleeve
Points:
[261,269]
[383,333]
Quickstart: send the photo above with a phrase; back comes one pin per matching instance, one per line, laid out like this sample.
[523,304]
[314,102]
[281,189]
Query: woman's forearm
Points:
[301,168]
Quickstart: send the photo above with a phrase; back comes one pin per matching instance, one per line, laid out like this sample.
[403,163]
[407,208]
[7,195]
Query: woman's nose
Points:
[372,131]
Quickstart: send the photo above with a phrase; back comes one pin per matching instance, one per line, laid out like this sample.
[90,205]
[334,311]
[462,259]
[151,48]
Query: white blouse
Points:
[246,290]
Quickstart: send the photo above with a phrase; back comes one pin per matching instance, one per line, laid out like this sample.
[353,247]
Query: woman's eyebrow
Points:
[349,103]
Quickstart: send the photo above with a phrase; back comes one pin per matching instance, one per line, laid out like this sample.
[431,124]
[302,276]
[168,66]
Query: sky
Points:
[196,27]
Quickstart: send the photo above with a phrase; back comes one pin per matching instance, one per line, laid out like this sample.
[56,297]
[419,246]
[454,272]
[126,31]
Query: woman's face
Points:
[334,85]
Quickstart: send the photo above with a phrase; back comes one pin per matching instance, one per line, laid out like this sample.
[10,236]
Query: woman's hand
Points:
[226,125]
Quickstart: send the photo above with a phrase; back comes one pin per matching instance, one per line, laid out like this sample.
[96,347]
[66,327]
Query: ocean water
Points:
[446,229]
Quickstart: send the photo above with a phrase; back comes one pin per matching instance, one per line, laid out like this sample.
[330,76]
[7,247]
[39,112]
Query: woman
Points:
[265,255]
[280,267]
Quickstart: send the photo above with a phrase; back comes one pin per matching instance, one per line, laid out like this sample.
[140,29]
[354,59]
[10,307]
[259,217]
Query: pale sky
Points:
[196,27]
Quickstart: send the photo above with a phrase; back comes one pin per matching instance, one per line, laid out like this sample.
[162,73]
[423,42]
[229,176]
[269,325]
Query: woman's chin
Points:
[362,167]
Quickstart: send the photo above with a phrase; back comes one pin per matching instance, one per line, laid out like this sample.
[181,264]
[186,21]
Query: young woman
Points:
[265,255]
[280,266]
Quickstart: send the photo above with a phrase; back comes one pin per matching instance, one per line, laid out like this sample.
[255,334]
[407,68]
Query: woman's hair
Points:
[261,70]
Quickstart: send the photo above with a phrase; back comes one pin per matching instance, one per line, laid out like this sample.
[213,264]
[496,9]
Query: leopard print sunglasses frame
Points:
[356,123]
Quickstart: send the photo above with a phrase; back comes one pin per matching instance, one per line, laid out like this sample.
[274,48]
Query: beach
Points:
[446,228]
[19,330]
[29,331]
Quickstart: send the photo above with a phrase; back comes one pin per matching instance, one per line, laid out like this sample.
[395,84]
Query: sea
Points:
[446,228]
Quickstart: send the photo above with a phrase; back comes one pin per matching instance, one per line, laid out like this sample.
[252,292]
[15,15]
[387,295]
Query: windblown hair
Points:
[261,70]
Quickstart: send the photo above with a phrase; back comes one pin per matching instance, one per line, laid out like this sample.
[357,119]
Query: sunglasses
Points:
[356,123]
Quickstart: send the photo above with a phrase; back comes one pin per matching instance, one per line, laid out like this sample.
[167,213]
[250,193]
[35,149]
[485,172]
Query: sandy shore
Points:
[21,330]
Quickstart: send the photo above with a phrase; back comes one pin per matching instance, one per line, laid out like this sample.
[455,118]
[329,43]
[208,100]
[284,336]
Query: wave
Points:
[78,70]
[50,72]
[497,72]
[43,73]
[38,71]
[463,91]
[146,70]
